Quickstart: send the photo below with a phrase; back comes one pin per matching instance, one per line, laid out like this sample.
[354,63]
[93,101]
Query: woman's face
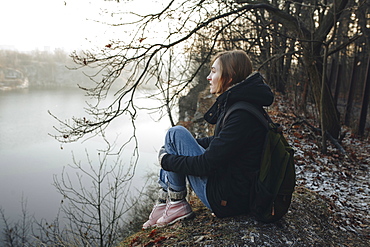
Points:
[214,76]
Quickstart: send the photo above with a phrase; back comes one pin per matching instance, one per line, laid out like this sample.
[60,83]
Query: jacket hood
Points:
[252,90]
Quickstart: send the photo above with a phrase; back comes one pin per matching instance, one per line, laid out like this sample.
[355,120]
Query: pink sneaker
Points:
[156,213]
[175,211]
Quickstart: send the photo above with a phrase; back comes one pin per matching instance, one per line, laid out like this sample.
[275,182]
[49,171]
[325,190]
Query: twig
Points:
[328,135]
[336,143]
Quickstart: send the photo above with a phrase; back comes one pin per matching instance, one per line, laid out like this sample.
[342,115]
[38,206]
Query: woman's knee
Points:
[178,128]
[177,131]
[180,141]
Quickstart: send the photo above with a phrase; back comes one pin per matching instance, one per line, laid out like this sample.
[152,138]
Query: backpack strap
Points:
[261,115]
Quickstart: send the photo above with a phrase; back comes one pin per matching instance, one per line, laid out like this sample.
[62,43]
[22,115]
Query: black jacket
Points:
[233,152]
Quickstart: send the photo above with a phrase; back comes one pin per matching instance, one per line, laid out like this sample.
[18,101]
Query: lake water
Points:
[29,157]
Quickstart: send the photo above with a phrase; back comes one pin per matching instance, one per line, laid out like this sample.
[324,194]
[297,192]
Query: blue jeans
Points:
[179,141]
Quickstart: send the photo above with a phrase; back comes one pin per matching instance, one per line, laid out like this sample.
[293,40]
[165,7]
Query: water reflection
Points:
[29,156]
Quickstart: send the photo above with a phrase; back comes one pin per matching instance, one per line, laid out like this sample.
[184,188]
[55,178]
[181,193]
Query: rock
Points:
[308,223]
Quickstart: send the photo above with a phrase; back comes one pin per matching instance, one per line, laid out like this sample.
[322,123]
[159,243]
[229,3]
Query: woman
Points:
[216,167]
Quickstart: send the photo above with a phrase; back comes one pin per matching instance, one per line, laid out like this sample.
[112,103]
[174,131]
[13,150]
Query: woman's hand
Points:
[162,152]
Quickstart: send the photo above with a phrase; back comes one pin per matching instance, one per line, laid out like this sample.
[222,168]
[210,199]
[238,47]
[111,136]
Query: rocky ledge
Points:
[308,223]
[330,206]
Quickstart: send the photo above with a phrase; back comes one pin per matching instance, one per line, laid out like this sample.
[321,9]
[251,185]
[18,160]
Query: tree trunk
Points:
[329,111]
[334,80]
[288,62]
[338,84]
[351,93]
[365,101]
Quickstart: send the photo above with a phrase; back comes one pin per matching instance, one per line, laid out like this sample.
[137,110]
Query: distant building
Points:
[11,79]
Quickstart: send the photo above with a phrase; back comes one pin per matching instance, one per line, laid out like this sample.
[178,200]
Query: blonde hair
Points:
[235,66]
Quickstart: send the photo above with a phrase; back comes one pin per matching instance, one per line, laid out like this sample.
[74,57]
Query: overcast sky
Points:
[35,24]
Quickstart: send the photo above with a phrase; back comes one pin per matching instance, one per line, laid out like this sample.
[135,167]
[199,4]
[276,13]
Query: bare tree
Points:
[142,54]
[269,30]
[18,233]
[92,205]
[139,58]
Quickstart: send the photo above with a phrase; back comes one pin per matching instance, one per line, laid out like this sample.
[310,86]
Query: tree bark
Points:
[328,111]
[365,101]
[351,93]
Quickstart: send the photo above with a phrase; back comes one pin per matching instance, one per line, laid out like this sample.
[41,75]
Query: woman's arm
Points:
[238,128]
[205,141]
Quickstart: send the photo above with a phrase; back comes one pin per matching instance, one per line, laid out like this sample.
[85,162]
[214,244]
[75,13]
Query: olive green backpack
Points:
[275,181]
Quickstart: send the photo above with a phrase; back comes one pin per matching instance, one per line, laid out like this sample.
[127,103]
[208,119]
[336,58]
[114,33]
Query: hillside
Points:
[329,208]
[308,223]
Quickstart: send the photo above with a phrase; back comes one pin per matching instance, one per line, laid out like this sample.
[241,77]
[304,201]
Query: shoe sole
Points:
[186,216]
[144,228]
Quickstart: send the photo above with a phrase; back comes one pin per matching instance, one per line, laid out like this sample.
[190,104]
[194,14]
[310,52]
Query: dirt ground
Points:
[308,223]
